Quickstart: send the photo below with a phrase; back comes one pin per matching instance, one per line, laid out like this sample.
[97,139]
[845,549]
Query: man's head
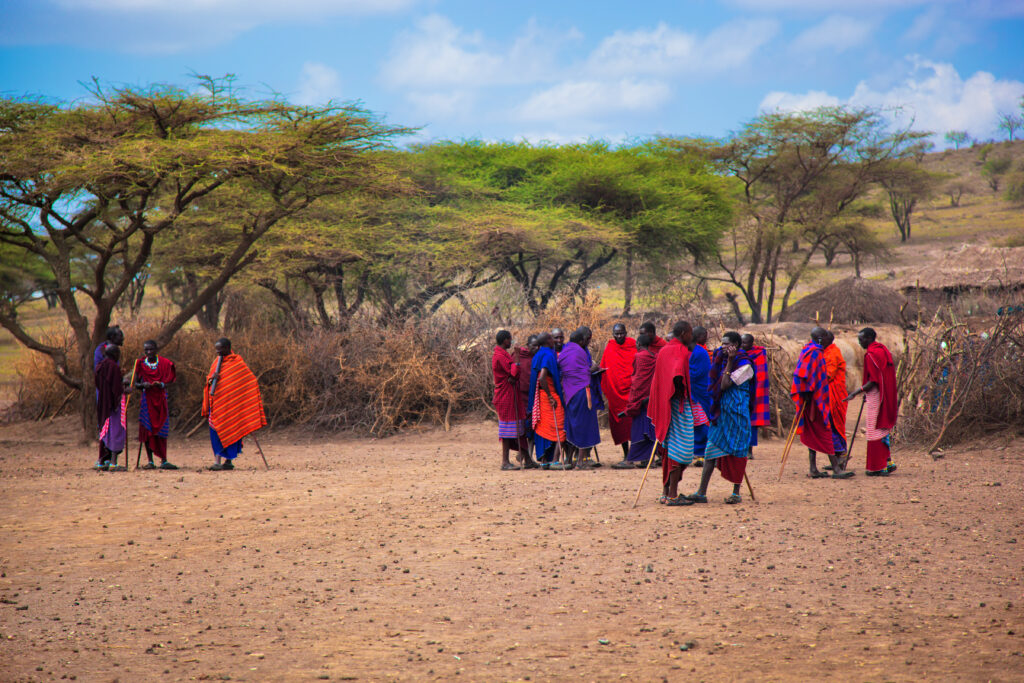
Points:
[619,334]
[545,339]
[581,336]
[115,335]
[531,343]
[643,340]
[682,331]
[700,335]
[112,351]
[818,335]
[731,339]
[746,342]
[647,328]
[559,338]
[503,339]
[866,336]
[149,348]
[223,346]
[827,340]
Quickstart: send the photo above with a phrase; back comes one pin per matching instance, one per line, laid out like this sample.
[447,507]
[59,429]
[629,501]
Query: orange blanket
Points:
[835,370]
[236,408]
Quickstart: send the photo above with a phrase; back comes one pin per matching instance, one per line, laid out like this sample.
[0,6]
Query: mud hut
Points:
[853,301]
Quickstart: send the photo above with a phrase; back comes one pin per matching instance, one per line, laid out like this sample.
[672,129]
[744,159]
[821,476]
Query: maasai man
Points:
[657,343]
[525,363]
[835,370]
[670,411]
[153,374]
[617,361]
[732,385]
[641,434]
[548,412]
[231,404]
[881,402]
[582,391]
[700,393]
[559,339]
[761,414]
[114,336]
[510,409]
[110,409]
[810,391]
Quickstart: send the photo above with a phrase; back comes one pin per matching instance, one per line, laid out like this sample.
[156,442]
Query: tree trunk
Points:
[627,285]
[735,308]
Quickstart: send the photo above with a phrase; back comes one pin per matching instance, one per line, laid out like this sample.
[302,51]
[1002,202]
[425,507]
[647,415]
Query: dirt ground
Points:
[414,558]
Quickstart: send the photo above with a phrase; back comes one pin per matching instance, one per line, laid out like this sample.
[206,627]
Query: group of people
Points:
[680,403]
[231,403]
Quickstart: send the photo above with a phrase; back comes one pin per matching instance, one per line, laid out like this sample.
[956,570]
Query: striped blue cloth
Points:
[679,441]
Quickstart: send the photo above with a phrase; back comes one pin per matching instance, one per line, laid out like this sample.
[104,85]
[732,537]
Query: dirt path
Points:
[414,558]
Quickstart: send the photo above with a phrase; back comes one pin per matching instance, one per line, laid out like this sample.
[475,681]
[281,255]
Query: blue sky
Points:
[555,71]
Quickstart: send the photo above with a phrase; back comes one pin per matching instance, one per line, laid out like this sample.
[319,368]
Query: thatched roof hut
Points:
[967,267]
[853,301]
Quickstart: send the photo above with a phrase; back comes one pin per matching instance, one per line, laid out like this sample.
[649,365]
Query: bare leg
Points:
[705,476]
[813,459]
[505,448]
[625,449]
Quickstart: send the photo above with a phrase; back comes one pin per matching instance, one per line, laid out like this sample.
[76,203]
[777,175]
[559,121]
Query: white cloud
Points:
[440,54]
[837,33]
[584,99]
[666,50]
[933,95]
[784,101]
[318,84]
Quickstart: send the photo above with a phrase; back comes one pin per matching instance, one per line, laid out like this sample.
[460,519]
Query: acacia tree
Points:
[97,184]
[1011,123]
[906,183]
[796,173]
[957,137]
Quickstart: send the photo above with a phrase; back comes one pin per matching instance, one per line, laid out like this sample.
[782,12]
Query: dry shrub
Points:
[961,381]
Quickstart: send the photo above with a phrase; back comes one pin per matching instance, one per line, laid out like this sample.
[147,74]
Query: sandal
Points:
[148,466]
[696,498]
[663,499]
[890,468]
[733,499]
[505,466]
[843,475]
[679,500]
[878,473]
[167,466]
[531,465]
[818,475]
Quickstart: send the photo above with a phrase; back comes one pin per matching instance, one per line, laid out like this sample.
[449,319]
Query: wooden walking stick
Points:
[127,400]
[257,442]
[791,437]
[654,452]
[853,437]
[749,487]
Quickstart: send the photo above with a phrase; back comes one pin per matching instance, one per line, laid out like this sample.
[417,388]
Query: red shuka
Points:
[615,383]
[673,361]
[156,398]
[879,368]
[657,344]
[506,386]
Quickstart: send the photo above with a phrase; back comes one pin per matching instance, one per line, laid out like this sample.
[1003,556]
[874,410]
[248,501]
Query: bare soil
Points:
[414,558]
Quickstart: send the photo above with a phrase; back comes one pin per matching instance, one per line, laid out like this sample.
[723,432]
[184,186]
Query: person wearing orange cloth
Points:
[231,404]
[811,392]
[547,405]
[881,404]
[617,360]
[835,371]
